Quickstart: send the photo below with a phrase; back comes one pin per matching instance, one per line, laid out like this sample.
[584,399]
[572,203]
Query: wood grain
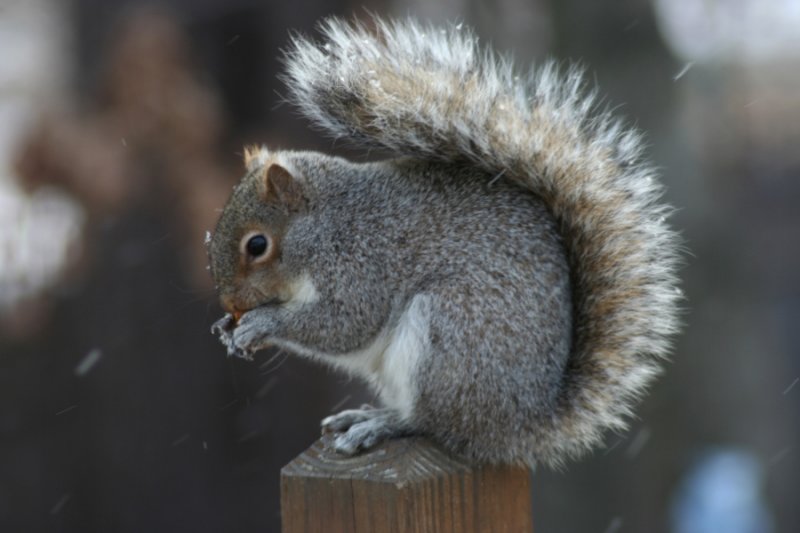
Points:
[404,485]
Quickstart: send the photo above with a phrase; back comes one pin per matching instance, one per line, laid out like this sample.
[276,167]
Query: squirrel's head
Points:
[245,249]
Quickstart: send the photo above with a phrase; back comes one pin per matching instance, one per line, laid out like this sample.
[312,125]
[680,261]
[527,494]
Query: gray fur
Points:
[520,248]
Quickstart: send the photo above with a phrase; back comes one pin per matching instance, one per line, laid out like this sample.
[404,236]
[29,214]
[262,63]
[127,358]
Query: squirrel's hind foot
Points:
[361,429]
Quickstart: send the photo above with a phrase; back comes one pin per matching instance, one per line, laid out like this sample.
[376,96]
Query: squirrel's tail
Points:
[434,94]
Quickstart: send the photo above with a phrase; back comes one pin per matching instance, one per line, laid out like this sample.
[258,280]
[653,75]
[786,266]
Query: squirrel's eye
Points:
[256,245]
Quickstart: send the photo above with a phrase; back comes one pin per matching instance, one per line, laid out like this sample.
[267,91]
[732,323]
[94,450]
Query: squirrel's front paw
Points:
[252,333]
[225,329]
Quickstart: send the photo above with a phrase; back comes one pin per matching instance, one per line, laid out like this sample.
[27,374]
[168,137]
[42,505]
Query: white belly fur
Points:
[390,361]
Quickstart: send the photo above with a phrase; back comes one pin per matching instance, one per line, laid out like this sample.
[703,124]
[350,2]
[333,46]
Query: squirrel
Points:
[506,284]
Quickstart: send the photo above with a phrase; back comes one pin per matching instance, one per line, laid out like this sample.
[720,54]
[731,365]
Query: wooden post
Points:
[404,485]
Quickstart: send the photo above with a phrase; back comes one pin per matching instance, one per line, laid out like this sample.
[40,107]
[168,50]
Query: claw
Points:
[223,328]
[361,429]
[226,324]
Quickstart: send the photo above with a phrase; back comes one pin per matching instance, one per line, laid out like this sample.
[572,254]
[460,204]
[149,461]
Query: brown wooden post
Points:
[402,486]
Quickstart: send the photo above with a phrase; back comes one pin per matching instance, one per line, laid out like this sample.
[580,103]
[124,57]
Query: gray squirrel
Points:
[507,284]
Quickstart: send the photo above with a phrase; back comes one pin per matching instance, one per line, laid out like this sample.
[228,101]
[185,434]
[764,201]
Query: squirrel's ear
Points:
[255,156]
[282,188]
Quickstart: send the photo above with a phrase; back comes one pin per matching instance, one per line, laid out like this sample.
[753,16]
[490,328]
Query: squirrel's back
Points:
[433,95]
[416,222]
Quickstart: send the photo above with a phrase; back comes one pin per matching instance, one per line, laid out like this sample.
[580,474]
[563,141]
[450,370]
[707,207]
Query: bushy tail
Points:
[434,94]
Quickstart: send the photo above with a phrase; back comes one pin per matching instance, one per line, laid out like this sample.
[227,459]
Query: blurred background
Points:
[121,126]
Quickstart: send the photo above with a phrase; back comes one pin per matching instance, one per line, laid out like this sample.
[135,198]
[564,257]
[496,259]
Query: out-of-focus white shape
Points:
[35,65]
[722,492]
[740,31]
[683,71]
[88,362]
[36,231]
